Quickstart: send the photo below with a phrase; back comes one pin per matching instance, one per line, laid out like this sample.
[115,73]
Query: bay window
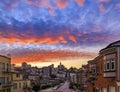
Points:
[109,65]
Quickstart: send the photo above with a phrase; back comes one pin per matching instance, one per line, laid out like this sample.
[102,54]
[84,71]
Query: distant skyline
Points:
[41,32]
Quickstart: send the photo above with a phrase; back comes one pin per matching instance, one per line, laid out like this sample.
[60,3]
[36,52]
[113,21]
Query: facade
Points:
[46,72]
[83,77]
[78,77]
[20,84]
[73,77]
[104,70]
[5,74]
[91,76]
[10,80]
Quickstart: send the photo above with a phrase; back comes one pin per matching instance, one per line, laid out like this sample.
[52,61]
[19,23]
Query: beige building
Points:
[20,84]
[5,74]
[10,80]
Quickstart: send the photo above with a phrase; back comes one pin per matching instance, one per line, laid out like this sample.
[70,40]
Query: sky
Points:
[42,32]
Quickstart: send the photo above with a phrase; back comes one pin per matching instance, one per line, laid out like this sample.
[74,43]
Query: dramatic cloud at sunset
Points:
[53,31]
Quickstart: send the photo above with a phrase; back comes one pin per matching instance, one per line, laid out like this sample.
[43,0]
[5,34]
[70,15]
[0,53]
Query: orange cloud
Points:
[72,38]
[80,2]
[61,3]
[101,7]
[62,39]
[48,56]
[13,38]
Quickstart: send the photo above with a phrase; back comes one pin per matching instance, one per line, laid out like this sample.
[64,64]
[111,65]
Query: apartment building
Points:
[11,80]
[73,77]
[83,77]
[20,84]
[104,70]
[5,74]
[91,75]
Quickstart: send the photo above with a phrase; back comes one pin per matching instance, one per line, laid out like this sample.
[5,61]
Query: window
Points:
[24,85]
[8,67]
[107,65]
[7,80]
[19,85]
[8,90]
[15,86]
[112,64]
[2,80]
[2,66]
[17,75]
[93,70]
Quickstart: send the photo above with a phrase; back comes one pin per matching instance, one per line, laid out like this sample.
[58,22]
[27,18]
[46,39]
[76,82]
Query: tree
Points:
[53,76]
[36,88]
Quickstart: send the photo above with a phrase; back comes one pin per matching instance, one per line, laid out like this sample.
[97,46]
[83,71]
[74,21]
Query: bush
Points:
[53,76]
[45,86]
[36,88]
[74,85]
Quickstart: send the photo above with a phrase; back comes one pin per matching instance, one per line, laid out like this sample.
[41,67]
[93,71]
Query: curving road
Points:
[64,88]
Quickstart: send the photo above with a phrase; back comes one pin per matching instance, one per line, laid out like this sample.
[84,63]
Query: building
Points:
[73,77]
[20,84]
[10,79]
[33,77]
[52,69]
[5,74]
[91,75]
[104,70]
[61,67]
[46,72]
[83,77]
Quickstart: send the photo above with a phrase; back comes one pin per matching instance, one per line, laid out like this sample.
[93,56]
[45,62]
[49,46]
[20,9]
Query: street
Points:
[63,88]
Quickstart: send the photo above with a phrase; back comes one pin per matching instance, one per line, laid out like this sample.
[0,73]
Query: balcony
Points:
[7,85]
[7,70]
[109,74]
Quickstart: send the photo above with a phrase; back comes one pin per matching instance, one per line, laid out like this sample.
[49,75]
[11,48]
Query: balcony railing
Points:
[8,70]
[6,85]
[109,74]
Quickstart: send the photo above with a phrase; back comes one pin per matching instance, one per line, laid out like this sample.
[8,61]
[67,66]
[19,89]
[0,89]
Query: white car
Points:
[54,88]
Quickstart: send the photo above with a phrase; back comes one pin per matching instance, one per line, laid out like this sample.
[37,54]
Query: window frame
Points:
[112,61]
[108,66]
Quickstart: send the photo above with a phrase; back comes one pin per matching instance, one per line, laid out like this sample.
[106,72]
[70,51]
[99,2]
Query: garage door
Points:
[104,89]
[111,89]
